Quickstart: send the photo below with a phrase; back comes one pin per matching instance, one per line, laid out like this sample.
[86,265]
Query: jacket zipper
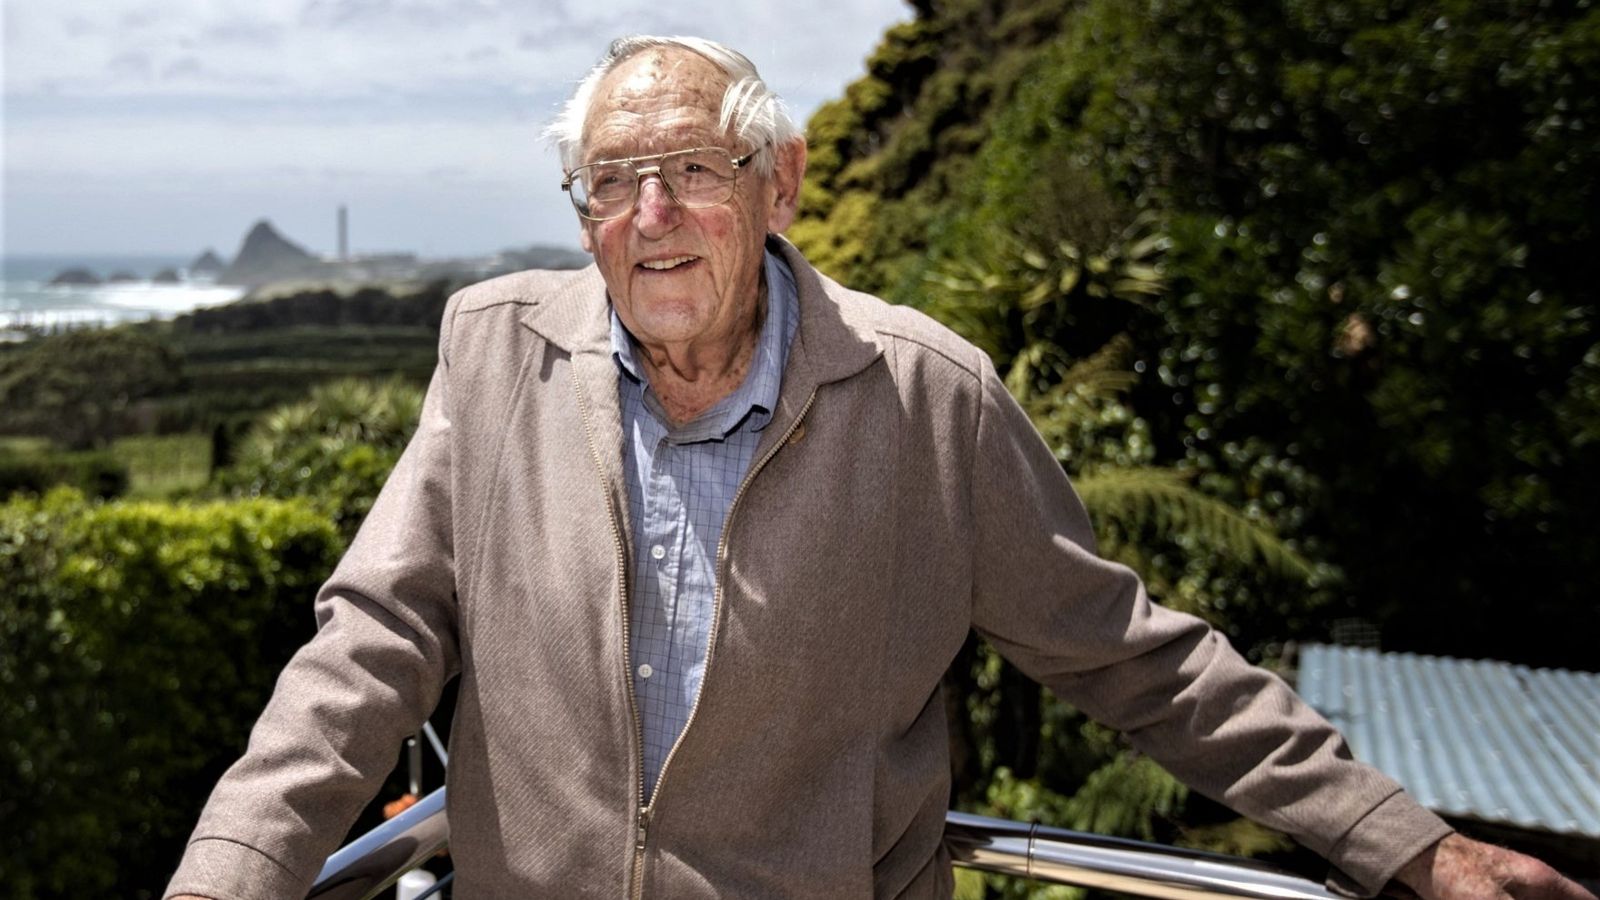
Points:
[716,618]
[641,836]
[642,821]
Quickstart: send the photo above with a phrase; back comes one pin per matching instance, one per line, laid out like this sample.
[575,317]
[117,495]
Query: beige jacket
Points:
[899,498]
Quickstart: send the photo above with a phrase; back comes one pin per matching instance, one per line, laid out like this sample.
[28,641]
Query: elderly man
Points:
[700,529]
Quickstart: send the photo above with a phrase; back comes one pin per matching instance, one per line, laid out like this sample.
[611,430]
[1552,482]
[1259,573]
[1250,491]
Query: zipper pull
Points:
[643,832]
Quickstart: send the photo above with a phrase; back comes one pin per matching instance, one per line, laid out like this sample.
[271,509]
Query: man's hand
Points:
[1459,868]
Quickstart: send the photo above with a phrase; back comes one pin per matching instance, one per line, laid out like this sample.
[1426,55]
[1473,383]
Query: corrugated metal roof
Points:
[1469,738]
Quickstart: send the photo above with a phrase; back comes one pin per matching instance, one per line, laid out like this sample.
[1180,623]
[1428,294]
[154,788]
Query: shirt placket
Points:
[657,565]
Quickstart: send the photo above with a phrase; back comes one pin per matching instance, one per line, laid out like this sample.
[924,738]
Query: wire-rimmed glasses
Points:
[695,178]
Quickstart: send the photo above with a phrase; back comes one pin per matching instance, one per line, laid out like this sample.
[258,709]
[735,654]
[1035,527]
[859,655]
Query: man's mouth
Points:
[662,265]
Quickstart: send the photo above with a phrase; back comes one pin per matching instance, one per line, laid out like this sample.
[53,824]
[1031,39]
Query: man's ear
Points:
[788,172]
[584,240]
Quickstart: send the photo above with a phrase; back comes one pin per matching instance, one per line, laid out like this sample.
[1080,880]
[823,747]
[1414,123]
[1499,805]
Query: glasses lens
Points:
[699,177]
[604,190]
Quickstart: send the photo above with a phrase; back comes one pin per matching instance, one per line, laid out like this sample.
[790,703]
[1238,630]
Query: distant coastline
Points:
[27,299]
[41,267]
[133,288]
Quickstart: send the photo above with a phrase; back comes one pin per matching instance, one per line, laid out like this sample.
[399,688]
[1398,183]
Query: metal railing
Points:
[377,859]
[1059,856]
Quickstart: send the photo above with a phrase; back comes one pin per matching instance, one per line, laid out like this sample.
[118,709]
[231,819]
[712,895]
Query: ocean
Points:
[28,299]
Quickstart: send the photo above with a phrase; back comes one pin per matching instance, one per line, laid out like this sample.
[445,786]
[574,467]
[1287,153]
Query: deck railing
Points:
[377,859]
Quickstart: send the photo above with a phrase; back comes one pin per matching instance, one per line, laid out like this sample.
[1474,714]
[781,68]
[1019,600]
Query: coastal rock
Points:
[165,276]
[267,256]
[122,278]
[75,277]
[208,264]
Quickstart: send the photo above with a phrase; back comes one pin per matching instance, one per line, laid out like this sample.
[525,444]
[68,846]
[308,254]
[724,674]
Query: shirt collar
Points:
[757,396]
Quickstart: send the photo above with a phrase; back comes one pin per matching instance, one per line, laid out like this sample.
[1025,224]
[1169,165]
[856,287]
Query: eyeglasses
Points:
[694,179]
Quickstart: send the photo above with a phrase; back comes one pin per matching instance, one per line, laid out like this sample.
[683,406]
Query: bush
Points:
[97,473]
[337,447]
[142,639]
[84,387]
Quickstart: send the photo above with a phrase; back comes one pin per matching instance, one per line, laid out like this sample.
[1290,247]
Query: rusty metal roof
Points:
[1469,738]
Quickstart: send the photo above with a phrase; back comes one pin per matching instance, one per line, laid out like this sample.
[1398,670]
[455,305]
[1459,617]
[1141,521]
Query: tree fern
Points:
[1162,500]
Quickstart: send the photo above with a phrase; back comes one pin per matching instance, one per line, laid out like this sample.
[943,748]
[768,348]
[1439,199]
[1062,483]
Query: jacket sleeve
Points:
[1085,628]
[384,648]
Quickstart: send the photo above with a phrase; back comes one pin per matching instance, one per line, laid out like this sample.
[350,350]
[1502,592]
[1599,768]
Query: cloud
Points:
[429,105]
[278,49]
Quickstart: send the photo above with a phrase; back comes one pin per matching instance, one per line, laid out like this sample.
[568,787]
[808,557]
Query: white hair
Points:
[751,111]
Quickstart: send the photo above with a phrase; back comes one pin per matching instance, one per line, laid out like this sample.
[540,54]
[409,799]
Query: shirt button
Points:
[657,551]
[645,671]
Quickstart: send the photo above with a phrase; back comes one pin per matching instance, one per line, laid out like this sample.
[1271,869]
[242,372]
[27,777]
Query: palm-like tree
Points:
[1019,302]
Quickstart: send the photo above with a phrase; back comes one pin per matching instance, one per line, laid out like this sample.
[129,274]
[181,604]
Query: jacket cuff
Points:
[228,870]
[1380,843]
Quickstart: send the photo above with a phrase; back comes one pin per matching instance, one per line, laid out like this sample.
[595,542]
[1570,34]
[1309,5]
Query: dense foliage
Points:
[95,472]
[142,639]
[1377,215]
[1376,331]
[884,158]
[216,368]
[335,448]
[82,387]
[364,306]
[1379,327]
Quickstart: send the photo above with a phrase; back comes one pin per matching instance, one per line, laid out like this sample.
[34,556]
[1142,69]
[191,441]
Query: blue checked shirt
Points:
[681,484]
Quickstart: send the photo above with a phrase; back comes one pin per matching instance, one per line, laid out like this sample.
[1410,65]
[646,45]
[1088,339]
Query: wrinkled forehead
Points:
[653,102]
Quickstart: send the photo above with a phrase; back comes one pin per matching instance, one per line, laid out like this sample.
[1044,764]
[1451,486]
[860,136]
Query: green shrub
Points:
[86,386]
[141,641]
[336,447]
[96,472]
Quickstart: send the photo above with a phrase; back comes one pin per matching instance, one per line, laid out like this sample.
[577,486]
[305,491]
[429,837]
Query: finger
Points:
[1554,886]
[1529,879]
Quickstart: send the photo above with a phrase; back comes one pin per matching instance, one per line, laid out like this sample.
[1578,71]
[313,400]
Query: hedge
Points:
[95,472]
[141,641]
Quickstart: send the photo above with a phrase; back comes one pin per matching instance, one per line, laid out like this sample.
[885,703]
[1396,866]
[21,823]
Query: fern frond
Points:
[1239,837]
[1162,500]
[1104,374]
[1124,797]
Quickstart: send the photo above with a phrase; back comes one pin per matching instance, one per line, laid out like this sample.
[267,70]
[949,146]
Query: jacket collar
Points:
[835,339]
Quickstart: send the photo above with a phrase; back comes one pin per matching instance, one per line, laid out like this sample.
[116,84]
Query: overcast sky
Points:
[169,126]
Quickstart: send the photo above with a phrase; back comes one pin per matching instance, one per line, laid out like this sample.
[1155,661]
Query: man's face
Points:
[680,276]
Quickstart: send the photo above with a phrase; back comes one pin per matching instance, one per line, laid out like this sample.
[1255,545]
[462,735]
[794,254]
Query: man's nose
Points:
[657,212]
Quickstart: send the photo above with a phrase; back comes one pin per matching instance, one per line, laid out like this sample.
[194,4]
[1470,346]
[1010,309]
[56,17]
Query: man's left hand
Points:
[1459,868]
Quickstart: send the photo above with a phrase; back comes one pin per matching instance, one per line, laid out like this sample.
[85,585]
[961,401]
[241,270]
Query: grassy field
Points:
[229,375]
[159,466]
[229,379]
[23,446]
[163,465]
